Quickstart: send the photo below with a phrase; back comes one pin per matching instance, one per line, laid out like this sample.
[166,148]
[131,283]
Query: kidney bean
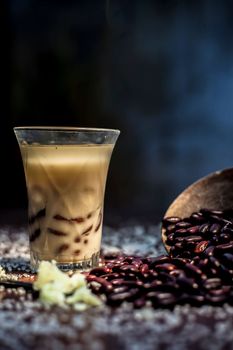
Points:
[165,299]
[182,224]
[227,260]
[166,277]
[144,268]
[120,289]
[193,238]
[189,246]
[152,296]
[228,223]
[220,220]
[131,269]
[226,275]
[154,284]
[225,237]
[147,285]
[203,264]
[179,246]
[136,283]
[195,260]
[165,267]
[225,247]
[195,300]
[212,283]
[180,262]
[170,239]
[152,275]
[170,228]
[146,260]
[215,228]
[213,271]
[216,299]
[173,251]
[170,220]
[179,239]
[188,283]
[117,267]
[223,290]
[209,251]
[182,254]
[122,275]
[115,299]
[206,211]
[196,218]
[215,240]
[181,232]
[177,273]
[199,270]
[129,259]
[193,230]
[118,259]
[99,271]
[111,256]
[91,277]
[139,303]
[131,276]
[204,228]
[117,282]
[105,286]
[194,271]
[201,246]
[137,263]
[214,262]
[160,259]
[217,212]
[111,276]
[167,287]
[227,229]
[132,294]
[110,265]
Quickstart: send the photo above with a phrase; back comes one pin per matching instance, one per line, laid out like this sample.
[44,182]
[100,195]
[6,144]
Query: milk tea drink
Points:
[66,185]
[65,170]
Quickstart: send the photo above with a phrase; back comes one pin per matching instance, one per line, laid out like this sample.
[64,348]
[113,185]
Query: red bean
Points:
[197,271]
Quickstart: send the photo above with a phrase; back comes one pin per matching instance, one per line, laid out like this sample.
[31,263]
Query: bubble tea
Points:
[65,177]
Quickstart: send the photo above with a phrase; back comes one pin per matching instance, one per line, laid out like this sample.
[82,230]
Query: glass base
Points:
[80,265]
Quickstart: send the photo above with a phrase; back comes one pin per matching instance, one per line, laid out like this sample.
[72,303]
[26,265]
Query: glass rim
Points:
[65,128]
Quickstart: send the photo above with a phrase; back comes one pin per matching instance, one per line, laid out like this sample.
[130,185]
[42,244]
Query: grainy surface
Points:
[26,324]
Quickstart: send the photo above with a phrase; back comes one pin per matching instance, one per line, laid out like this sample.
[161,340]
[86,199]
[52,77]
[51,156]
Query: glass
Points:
[66,171]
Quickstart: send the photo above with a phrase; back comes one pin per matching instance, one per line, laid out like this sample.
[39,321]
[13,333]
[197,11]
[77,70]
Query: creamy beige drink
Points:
[66,185]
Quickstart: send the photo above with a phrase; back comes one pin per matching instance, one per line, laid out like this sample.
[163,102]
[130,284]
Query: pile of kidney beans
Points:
[198,269]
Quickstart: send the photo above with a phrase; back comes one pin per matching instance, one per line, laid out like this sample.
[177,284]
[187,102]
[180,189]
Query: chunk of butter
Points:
[57,288]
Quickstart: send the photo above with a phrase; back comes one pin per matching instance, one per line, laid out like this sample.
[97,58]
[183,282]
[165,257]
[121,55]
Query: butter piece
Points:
[57,288]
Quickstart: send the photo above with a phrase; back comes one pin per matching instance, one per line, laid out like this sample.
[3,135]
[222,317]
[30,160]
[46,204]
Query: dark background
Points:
[160,71]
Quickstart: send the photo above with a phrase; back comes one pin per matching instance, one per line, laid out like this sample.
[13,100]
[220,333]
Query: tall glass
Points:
[66,170]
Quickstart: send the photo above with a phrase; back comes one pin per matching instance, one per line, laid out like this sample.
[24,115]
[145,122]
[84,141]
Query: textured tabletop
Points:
[27,324]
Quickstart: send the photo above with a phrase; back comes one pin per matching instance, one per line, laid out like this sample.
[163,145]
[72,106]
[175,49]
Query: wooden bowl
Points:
[214,191]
